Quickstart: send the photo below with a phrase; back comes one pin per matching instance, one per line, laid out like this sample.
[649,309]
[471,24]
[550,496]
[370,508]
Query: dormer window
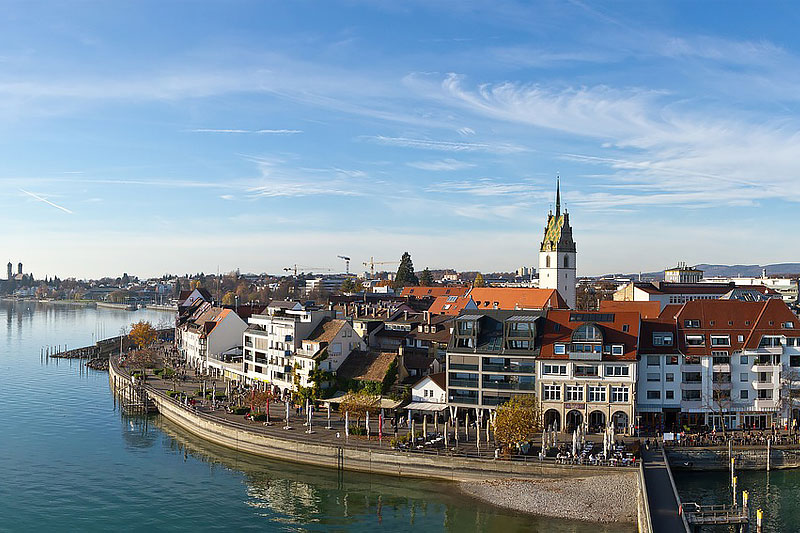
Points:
[587,333]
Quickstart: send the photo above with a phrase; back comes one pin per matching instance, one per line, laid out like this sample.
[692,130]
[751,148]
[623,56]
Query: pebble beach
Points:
[604,498]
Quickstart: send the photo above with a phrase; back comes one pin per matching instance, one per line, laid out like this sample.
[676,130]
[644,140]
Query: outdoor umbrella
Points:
[329,415]
[544,441]
[367,425]
[466,427]
[478,435]
[575,443]
[425,427]
[380,425]
[346,424]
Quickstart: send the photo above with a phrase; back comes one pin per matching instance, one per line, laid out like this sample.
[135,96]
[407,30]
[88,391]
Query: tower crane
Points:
[346,263]
[371,264]
[294,268]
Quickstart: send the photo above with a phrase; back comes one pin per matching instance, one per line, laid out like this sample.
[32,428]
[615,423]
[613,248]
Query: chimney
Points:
[405,315]
[427,315]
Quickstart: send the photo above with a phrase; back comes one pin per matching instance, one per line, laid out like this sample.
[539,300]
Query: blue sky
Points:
[158,137]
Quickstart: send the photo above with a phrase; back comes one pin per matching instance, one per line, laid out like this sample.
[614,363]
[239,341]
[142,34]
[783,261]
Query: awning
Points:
[336,399]
[426,406]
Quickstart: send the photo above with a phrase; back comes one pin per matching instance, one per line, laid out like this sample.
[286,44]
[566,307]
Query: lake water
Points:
[69,460]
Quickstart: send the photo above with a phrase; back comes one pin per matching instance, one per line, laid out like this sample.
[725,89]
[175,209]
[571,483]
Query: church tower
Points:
[557,254]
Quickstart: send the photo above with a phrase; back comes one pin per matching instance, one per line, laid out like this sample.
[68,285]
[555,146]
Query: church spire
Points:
[558,196]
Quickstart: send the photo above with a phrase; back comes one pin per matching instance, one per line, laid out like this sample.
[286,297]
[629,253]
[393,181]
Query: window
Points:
[691,360]
[654,395]
[744,377]
[743,394]
[616,349]
[720,358]
[597,394]
[583,371]
[788,325]
[692,377]
[653,360]
[587,333]
[672,360]
[547,261]
[721,377]
[566,261]
[691,323]
[559,349]
[743,360]
[619,394]
[721,395]
[625,328]
[557,370]
[690,395]
[769,342]
[740,338]
[574,393]
[617,370]
[653,376]
[695,340]
[670,377]
[669,395]
[764,394]
[662,338]
[720,340]
[552,392]
[794,360]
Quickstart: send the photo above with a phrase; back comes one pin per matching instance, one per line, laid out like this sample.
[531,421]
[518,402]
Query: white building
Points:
[207,333]
[557,255]
[683,274]
[283,346]
[786,287]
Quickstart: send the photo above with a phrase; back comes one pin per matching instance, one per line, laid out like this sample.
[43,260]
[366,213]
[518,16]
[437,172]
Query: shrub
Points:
[357,430]
[241,410]
[158,371]
[172,393]
[261,417]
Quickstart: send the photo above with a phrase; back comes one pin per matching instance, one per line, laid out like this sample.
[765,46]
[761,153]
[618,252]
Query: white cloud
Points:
[447,146]
[441,165]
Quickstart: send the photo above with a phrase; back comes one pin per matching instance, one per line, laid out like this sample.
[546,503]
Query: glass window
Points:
[653,360]
[653,376]
[720,340]
[794,360]
[619,394]
[585,371]
[690,395]
[552,392]
[558,370]
[597,394]
[744,394]
[559,349]
[654,395]
[574,393]
[670,377]
[744,377]
[672,360]
[669,395]
[662,338]
[616,350]
[764,394]
[695,340]
[742,359]
[617,370]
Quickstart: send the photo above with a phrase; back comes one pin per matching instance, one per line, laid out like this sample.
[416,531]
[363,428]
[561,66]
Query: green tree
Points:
[405,272]
[479,281]
[426,278]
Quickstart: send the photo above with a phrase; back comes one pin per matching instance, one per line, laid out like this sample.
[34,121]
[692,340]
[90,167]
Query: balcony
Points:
[494,400]
[463,399]
[585,356]
[456,366]
[760,385]
[528,369]
[764,367]
[505,385]
[774,350]
[691,385]
[463,383]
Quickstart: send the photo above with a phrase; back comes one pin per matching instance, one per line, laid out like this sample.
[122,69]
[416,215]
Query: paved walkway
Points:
[660,495]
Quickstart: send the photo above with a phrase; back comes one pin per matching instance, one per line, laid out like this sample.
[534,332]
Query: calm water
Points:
[69,460]
[777,493]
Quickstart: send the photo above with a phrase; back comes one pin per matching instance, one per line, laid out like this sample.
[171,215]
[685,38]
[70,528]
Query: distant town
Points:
[655,352]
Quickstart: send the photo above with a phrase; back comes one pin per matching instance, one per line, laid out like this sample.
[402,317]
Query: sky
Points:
[186,136]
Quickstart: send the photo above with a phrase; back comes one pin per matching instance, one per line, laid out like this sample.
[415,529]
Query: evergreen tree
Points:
[426,278]
[479,281]
[405,272]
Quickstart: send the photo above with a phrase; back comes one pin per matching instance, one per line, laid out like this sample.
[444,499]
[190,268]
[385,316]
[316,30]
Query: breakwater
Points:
[750,458]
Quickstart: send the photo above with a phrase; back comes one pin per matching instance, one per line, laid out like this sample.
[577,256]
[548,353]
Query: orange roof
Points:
[434,292]
[449,305]
[646,309]
[511,298]
[558,329]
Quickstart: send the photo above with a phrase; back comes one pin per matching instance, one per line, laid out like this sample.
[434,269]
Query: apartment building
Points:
[283,346]
[492,356]
[207,332]
[715,362]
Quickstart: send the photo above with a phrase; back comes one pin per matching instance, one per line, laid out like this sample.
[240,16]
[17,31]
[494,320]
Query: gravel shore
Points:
[603,498]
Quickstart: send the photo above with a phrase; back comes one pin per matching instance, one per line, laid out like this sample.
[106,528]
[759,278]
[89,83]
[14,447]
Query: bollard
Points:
[759,520]
[734,490]
[768,452]
[745,497]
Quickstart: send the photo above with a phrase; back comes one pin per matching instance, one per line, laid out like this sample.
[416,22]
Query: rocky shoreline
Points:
[606,498]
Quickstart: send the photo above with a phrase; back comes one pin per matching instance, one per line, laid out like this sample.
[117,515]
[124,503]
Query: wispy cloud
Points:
[441,165]
[264,132]
[45,200]
[447,146]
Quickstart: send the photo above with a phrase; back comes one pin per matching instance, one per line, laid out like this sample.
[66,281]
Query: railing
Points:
[504,385]
[457,366]
[491,367]
[464,399]
[463,383]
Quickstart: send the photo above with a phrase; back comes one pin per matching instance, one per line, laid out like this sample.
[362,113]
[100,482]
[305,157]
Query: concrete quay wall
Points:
[746,458]
[348,457]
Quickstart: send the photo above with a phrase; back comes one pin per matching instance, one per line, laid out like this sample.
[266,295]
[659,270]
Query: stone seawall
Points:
[746,458]
[348,456]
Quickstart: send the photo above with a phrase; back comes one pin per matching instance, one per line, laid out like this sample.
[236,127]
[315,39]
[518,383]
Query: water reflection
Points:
[320,499]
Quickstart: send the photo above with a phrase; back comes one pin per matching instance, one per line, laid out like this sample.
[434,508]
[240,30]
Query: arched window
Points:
[587,333]
[566,261]
[547,261]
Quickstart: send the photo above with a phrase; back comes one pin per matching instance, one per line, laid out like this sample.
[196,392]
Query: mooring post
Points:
[759,520]
[769,441]
[734,490]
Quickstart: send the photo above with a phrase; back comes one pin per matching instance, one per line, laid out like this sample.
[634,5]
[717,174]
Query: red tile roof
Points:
[449,305]
[511,298]
[645,309]
[558,329]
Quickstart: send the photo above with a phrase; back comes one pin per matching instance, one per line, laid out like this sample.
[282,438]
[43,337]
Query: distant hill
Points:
[727,271]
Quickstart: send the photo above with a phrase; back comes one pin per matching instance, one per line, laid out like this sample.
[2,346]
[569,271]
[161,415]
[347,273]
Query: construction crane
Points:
[294,268]
[371,264]
[346,263]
